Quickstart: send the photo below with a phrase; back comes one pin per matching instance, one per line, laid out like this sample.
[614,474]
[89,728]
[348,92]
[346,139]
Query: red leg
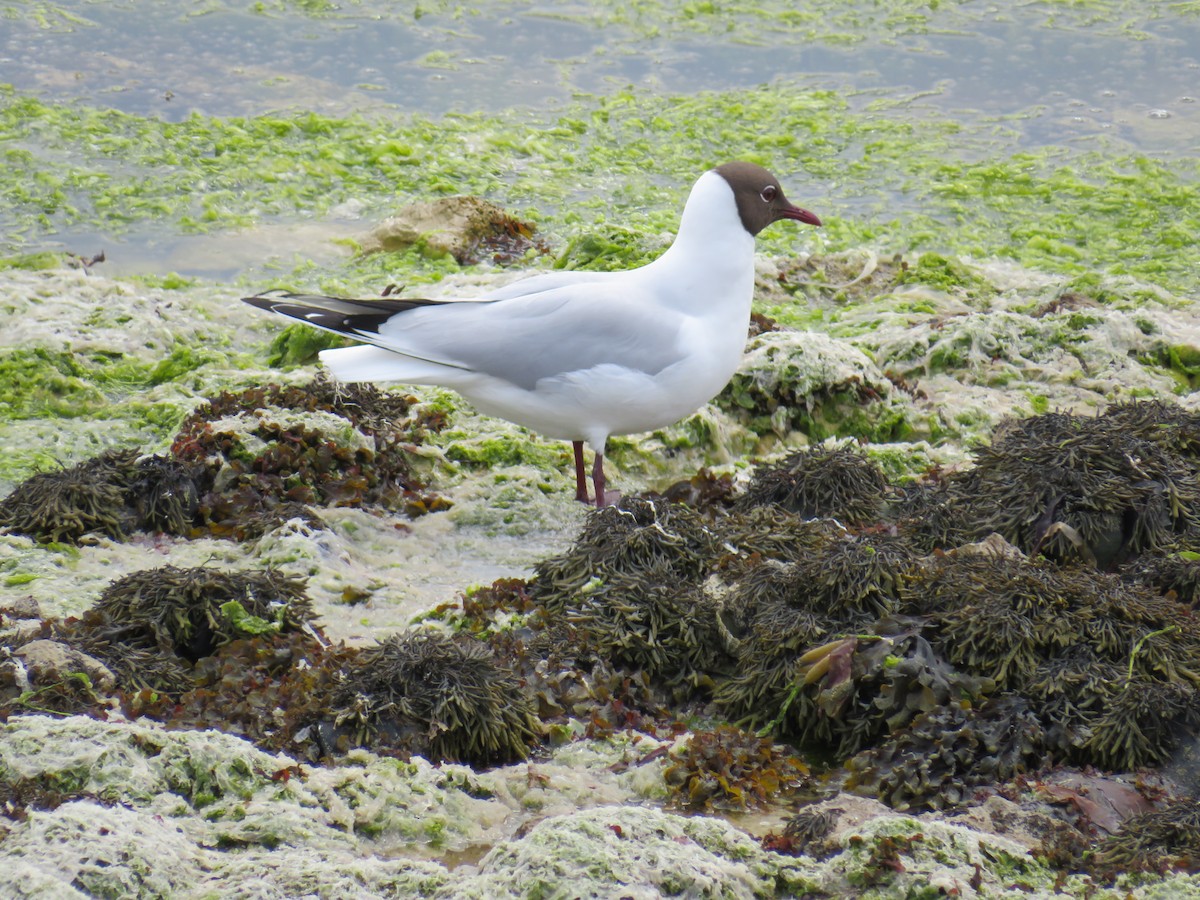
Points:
[603,497]
[598,479]
[581,493]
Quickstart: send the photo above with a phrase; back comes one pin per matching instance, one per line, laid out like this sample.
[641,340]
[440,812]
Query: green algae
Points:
[579,169]
[806,382]
[902,462]
[1112,292]
[298,345]
[897,856]
[608,249]
[40,382]
[643,851]
[42,15]
[43,383]
[937,271]
[34,262]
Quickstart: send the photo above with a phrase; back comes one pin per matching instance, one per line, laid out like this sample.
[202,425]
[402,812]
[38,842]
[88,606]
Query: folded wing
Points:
[521,339]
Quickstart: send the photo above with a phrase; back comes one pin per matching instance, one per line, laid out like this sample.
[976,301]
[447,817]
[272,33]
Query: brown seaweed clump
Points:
[624,608]
[730,769]
[1175,572]
[1101,489]
[802,635]
[647,621]
[851,692]
[442,697]
[770,533]
[113,495]
[1111,669]
[807,833]
[632,537]
[1156,841]
[841,483]
[947,752]
[270,689]
[930,512]
[64,506]
[857,643]
[192,612]
[145,642]
[557,656]
[257,479]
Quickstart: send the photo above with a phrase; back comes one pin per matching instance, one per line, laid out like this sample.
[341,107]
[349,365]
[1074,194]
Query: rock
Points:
[20,608]
[628,852]
[14,680]
[48,662]
[467,228]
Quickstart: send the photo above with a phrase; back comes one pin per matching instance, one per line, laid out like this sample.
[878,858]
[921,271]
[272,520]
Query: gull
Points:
[579,356]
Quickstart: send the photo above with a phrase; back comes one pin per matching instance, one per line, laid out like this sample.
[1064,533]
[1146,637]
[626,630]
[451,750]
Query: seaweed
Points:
[443,697]
[64,506]
[634,536]
[840,482]
[779,613]
[1113,484]
[943,754]
[273,689]
[165,495]
[191,612]
[647,621]
[729,769]
[1156,841]
[261,471]
[808,832]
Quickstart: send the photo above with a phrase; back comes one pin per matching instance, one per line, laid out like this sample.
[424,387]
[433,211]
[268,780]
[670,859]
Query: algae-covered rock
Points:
[131,811]
[88,849]
[630,852]
[288,873]
[899,856]
[468,228]
[808,382]
[47,662]
[267,452]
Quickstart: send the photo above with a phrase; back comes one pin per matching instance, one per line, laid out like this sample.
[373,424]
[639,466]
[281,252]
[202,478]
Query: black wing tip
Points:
[274,300]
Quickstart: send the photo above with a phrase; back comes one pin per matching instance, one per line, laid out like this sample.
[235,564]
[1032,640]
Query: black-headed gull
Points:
[579,356]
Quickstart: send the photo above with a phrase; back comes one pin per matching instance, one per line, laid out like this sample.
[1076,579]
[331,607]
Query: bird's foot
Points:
[611,498]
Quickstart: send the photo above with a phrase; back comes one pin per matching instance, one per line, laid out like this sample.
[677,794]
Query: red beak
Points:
[803,215]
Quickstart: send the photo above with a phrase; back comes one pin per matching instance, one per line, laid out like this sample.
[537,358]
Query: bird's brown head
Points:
[759,197]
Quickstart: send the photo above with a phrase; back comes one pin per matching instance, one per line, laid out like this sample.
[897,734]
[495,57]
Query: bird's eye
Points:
[768,193]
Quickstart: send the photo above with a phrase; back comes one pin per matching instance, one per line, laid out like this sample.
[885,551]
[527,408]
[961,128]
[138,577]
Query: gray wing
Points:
[540,335]
[547,281]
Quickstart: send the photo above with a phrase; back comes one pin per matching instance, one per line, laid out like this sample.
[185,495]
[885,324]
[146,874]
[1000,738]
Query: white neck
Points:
[711,250]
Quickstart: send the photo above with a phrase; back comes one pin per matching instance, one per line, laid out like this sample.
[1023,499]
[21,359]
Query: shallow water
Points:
[148,58]
[1047,75]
